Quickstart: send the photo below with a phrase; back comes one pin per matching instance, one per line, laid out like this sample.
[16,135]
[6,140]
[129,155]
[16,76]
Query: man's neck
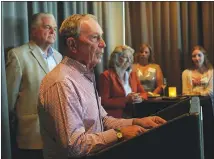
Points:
[90,67]
[43,47]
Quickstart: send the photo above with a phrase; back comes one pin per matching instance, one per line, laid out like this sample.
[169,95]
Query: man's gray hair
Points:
[36,19]
[70,27]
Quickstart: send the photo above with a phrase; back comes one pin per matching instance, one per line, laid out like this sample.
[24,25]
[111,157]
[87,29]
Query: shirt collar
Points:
[49,52]
[80,67]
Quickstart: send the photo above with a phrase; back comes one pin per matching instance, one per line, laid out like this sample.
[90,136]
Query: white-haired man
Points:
[25,68]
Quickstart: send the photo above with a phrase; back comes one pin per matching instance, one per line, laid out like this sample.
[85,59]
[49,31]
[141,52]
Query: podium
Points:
[153,105]
[179,138]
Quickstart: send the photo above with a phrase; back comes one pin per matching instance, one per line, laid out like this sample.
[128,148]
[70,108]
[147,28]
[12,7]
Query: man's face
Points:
[45,32]
[90,43]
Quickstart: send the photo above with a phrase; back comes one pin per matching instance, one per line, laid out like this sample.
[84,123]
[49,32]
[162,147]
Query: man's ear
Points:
[33,32]
[71,44]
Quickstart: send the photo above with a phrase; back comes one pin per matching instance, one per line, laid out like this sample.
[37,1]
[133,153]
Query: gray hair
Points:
[70,27]
[36,19]
[118,51]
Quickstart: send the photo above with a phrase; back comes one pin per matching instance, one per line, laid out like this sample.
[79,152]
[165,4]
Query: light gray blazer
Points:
[25,68]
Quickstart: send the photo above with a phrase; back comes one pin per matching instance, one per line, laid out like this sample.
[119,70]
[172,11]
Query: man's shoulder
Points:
[53,77]
[60,74]
[63,72]
[20,49]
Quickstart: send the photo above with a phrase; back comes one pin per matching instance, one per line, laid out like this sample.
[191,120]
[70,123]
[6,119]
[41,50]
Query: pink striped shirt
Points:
[73,122]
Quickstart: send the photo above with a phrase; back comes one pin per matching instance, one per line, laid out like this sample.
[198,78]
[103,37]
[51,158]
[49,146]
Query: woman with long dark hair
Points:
[198,79]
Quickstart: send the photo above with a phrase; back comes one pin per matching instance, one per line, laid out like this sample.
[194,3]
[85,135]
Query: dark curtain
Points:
[15,32]
[172,29]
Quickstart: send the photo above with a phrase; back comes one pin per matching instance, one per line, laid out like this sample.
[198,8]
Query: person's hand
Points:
[134,98]
[132,131]
[196,81]
[149,122]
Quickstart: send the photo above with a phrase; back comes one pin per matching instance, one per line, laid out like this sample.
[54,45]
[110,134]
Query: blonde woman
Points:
[118,85]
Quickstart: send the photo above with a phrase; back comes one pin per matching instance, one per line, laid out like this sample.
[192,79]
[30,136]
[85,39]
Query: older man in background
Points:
[73,122]
[25,68]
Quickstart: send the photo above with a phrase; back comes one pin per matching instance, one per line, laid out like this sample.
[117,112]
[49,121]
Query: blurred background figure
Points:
[149,73]
[198,79]
[119,86]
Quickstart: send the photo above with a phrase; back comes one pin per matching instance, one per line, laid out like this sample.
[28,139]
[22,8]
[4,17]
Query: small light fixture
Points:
[172,92]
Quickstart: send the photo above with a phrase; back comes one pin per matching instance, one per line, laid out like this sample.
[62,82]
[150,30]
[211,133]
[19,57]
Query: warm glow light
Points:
[172,92]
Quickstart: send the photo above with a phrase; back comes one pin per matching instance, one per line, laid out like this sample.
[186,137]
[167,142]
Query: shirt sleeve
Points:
[107,100]
[209,89]
[63,104]
[110,122]
[186,85]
